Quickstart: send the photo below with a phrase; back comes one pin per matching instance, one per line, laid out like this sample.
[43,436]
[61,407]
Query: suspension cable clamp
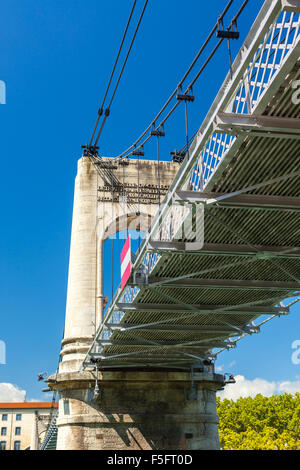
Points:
[183,97]
[89,150]
[107,112]
[124,161]
[158,133]
[138,153]
[226,33]
[177,156]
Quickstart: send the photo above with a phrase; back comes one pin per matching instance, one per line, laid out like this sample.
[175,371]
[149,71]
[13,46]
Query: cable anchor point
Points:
[188,96]
[90,150]
[157,132]
[227,34]
[138,152]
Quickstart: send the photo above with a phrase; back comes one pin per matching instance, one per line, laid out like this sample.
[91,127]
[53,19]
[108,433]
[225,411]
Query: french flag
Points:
[125,262]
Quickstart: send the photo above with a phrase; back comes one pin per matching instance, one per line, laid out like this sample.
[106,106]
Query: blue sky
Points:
[55,59]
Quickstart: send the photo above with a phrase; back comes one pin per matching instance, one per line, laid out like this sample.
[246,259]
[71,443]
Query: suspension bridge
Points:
[219,260]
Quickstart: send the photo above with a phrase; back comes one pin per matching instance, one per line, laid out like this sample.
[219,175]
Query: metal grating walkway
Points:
[181,305]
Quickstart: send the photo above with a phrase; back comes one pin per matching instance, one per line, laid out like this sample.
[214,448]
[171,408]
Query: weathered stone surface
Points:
[138,410]
[94,220]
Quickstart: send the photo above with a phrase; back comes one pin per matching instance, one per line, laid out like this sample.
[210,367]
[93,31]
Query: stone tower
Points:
[138,409]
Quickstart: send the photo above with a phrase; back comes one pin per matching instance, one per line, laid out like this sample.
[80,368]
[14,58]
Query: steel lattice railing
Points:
[211,156]
[262,69]
[130,293]
[267,60]
[277,43]
[261,64]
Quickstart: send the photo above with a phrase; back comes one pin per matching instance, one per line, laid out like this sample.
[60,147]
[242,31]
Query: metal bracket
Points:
[291,5]
[251,329]
[230,344]
[177,156]
[191,393]
[230,380]
[89,150]
[141,275]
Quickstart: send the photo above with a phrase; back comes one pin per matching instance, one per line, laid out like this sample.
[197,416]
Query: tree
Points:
[260,423]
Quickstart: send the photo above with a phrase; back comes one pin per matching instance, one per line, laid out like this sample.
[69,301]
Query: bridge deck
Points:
[193,303]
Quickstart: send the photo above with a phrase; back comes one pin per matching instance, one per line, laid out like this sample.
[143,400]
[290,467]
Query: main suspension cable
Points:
[100,111]
[107,111]
[135,145]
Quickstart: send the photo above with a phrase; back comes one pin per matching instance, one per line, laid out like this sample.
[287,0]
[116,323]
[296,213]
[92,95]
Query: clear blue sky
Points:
[56,57]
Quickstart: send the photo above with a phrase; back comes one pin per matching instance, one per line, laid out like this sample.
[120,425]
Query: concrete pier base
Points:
[137,411]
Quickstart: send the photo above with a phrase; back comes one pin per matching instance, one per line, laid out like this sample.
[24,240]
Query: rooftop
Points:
[26,405]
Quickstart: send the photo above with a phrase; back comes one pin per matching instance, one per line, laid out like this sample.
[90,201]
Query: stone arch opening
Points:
[129,221]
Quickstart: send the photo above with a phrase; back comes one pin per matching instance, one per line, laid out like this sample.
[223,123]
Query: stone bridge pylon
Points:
[108,198]
[137,409]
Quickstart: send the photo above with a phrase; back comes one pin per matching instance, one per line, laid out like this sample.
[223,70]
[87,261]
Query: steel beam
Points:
[227,250]
[145,357]
[197,329]
[203,309]
[242,201]
[225,284]
[201,343]
[179,364]
[266,126]
[194,329]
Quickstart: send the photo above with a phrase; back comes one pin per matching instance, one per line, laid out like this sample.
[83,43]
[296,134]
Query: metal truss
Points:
[227,250]
[241,200]
[159,322]
[253,125]
[202,309]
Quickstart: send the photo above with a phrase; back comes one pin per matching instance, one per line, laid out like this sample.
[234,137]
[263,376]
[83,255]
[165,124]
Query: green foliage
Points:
[260,423]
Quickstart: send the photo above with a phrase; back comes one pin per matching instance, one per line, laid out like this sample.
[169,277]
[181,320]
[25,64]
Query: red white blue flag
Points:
[125,262]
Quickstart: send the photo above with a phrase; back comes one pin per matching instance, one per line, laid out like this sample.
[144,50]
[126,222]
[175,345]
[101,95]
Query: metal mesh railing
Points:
[277,43]
[266,62]
[151,260]
[49,442]
[212,154]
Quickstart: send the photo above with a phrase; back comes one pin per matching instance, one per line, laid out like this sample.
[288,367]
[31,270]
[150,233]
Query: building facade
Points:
[23,425]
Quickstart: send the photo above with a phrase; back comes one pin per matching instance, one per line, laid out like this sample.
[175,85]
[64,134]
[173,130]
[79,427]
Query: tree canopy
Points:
[260,423]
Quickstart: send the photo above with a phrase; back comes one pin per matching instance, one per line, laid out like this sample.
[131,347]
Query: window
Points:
[18,431]
[4,417]
[66,407]
[2,445]
[18,417]
[3,431]
[17,445]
